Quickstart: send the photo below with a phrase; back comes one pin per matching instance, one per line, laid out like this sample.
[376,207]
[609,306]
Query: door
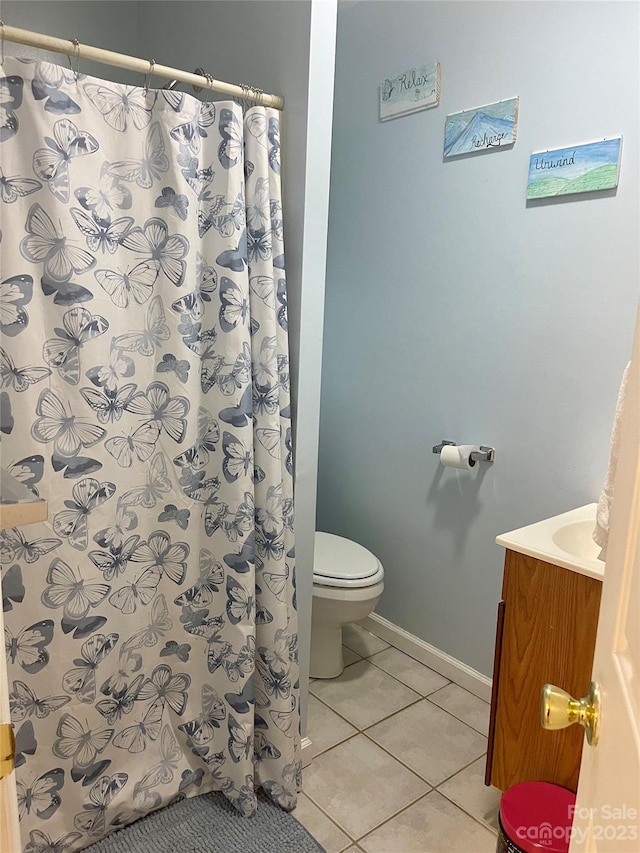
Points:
[9,829]
[607,812]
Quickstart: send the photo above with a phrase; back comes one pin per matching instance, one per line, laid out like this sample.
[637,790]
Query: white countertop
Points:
[563,540]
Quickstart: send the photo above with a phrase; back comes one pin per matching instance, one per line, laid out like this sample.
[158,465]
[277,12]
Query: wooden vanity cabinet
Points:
[546,632]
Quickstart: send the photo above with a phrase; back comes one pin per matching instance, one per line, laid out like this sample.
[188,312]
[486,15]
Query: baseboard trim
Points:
[306,751]
[430,656]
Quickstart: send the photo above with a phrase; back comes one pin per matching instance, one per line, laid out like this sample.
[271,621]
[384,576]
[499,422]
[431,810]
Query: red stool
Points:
[535,817]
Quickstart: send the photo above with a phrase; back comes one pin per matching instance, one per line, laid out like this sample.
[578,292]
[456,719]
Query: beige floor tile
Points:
[349,656]
[359,785]
[429,741]
[432,825]
[333,839]
[364,694]
[468,790]
[363,642]
[411,672]
[463,705]
[325,727]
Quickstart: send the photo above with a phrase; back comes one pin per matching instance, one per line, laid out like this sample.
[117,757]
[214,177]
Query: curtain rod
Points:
[131,63]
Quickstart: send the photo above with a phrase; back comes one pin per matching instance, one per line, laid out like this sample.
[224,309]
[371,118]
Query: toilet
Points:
[347,583]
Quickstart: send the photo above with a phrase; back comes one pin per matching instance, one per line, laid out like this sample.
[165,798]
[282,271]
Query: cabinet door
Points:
[550,621]
[495,688]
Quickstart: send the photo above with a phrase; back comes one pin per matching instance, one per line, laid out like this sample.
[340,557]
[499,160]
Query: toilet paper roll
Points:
[457,456]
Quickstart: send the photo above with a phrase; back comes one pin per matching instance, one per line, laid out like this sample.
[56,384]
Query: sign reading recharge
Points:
[481,128]
[579,169]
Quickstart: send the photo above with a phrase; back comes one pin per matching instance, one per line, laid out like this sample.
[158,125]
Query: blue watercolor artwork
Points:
[413,90]
[482,128]
[579,169]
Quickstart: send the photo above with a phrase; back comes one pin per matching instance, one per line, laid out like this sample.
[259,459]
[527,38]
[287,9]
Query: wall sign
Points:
[491,126]
[413,90]
[578,169]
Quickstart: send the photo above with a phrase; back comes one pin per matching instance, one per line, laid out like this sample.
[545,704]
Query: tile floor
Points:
[400,753]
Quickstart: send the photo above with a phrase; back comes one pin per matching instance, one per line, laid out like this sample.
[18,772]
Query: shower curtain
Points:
[151,631]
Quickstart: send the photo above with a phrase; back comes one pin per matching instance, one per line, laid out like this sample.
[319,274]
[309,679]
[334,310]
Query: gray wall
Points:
[455,311]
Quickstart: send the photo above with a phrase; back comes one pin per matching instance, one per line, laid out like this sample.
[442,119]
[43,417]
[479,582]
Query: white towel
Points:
[601,532]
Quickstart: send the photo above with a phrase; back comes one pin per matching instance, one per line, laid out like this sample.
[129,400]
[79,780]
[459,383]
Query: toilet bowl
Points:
[347,583]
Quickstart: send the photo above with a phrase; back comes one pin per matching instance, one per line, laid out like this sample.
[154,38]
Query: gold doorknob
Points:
[7,749]
[558,710]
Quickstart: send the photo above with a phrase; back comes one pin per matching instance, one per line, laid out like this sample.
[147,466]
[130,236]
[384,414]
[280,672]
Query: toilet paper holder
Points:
[483,454]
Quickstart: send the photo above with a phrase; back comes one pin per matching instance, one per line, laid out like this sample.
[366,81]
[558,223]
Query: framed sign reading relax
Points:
[412,90]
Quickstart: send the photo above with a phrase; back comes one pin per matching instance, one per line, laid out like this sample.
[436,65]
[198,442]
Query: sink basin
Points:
[576,539]
[564,540]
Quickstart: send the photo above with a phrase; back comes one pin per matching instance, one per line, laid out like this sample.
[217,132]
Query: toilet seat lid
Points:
[335,557]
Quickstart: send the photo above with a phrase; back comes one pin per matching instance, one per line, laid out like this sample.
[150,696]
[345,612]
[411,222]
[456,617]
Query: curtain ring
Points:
[241,100]
[76,44]
[2,43]
[258,96]
[201,73]
[245,100]
[209,91]
[249,95]
[149,74]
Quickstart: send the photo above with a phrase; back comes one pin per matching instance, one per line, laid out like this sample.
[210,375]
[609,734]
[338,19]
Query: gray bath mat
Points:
[210,824]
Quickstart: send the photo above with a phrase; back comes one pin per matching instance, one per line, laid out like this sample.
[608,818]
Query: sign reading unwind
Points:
[578,169]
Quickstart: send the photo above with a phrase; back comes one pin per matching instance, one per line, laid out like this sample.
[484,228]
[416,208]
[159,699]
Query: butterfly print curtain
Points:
[151,633]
